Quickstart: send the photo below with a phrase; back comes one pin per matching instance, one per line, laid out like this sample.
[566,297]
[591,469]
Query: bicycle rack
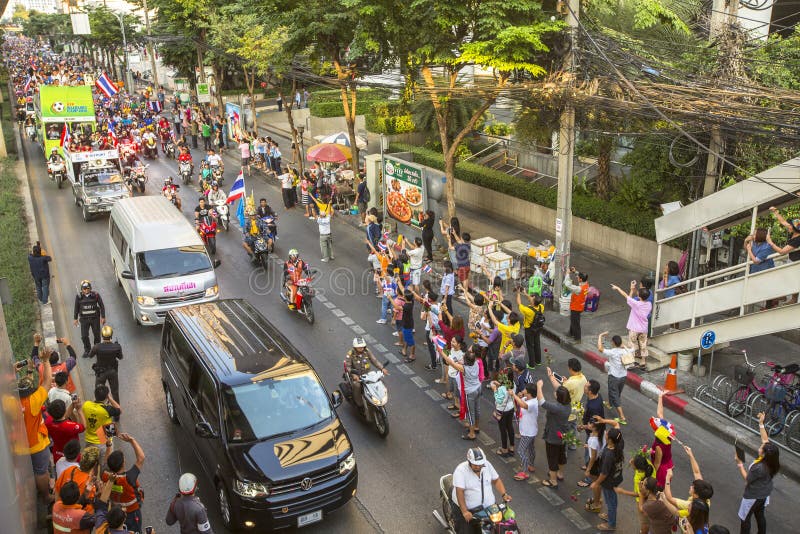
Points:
[714,396]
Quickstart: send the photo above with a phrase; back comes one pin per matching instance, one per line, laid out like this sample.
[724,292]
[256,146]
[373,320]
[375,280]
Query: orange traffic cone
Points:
[671,382]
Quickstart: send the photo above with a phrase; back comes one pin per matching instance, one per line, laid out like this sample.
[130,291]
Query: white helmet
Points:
[187,484]
[359,343]
[475,456]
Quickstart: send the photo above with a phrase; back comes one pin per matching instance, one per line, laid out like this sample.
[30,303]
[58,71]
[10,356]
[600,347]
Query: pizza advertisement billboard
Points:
[64,103]
[404,191]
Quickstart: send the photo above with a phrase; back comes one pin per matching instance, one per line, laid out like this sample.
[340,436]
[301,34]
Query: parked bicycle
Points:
[782,400]
[749,382]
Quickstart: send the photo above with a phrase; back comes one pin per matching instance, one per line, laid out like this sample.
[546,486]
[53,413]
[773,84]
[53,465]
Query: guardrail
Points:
[717,394]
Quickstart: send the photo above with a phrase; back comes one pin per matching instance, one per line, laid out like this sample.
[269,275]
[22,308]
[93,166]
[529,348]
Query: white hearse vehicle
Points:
[96,180]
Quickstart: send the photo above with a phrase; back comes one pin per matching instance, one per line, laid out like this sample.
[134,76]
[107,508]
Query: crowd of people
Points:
[479,341]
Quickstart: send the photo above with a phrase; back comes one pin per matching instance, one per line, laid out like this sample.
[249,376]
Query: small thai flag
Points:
[154,106]
[65,136]
[386,235]
[439,342]
[28,84]
[104,84]
[237,189]
[113,136]
[382,246]
[427,269]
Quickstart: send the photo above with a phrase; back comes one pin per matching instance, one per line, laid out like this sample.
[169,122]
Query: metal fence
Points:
[783,425]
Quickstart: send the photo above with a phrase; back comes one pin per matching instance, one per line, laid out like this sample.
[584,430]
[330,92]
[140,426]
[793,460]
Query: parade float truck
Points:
[58,107]
[96,179]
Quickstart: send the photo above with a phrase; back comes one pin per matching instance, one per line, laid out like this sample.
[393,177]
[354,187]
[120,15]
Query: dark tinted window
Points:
[182,354]
[171,262]
[206,399]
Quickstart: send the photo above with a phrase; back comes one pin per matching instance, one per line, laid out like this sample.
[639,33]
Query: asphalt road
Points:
[398,476]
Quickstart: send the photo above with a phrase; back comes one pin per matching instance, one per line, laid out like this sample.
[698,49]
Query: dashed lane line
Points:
[419,382]
[550,496]
[330,305]
[321,298]
[370,340]
[347,320]
[403,368]
[486,439]
[337,312]
[380,348]
[391,357]
[575,518]
[357,329]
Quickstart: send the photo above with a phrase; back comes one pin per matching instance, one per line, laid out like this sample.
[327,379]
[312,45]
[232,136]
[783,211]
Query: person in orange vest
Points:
[126,491]
[577,301]
[81,475]
[69,516]
[32,398]
[56,366]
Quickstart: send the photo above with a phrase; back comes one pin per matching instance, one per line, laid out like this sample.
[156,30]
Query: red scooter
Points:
[207,228]
[302,300]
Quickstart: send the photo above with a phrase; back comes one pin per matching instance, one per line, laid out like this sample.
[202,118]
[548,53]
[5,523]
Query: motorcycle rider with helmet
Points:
[293,270]
[186,157]
[150,136]
[170,190]
[55,157]
[358,362]
[205,175]
[472,489]
[216,195]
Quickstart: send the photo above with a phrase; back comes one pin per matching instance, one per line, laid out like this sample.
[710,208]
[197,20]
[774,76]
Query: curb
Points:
[790,465]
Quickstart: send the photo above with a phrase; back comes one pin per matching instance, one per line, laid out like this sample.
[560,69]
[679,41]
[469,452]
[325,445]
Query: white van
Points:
[159,260]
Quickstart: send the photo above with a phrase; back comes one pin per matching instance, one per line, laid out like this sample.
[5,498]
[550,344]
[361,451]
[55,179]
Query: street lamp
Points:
[300,130]
[125,47]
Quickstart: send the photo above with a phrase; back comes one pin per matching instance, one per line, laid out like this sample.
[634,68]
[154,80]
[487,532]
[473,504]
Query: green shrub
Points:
[389,118]
[498,128]
[584,205]
[328,103]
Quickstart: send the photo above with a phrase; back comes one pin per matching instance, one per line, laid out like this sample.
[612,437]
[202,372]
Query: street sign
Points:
[707,339]
[203,93]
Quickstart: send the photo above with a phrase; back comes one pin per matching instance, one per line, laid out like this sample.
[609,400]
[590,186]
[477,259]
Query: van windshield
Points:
[271,407]
[171,262]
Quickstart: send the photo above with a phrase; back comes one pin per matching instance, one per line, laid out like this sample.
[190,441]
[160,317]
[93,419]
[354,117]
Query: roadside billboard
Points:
[66,103]
[404,191]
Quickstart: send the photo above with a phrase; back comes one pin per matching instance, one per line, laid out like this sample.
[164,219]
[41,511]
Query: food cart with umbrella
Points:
[336,182]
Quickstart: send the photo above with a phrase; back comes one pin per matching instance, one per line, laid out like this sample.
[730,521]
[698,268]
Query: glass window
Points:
[171,262]
[182,353]
[206,400]
[273,407]
[54,130]
[104,177]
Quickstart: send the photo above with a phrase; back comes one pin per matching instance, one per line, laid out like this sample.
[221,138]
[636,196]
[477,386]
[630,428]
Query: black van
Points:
[257,416]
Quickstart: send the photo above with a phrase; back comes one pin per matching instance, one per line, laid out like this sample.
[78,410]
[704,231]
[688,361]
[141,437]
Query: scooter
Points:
[223,214]
[30,131]
[172,196]
[57,172]
[185,170]
[207,228]
[169,149]
[216,174]
[138,177]
[303,298]
[494,519]
[261,251]
[150,149]
[374,398]
[272,234]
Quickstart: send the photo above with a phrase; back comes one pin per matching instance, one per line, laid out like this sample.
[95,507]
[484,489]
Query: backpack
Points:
[366,197]
[538,320]
[592,299]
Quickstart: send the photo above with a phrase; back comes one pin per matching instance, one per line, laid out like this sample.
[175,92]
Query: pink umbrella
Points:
[329,153]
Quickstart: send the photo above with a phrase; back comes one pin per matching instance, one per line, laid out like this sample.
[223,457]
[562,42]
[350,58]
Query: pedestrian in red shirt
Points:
[60,427]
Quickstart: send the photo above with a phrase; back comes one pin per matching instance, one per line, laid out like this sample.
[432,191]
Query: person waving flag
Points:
[106,86]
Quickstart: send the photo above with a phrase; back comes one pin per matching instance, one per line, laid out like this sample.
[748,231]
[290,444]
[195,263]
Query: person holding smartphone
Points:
[186,509]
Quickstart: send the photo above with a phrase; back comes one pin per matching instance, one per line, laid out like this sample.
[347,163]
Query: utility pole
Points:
[150,50]
[566,151]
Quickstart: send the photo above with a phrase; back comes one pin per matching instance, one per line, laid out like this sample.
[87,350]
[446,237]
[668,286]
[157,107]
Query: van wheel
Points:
[230,518]
[85,213]
[135,317]
[170,402]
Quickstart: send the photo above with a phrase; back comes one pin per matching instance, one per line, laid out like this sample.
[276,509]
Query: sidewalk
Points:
[612,316]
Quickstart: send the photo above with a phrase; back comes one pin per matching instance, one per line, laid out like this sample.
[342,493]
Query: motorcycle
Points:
[261,251]
[30,131]
[303,298]
[57,172]
[272,232]
[136,178]
[169,149]
[172,196]
[374,398]
[494,519]
[150,149]
[185,170]
[207,228]
[223,214]
[216,174]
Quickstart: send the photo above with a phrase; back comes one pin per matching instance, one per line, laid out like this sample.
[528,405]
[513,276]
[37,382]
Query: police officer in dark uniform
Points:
[91,312]
[359,360]
[107,353]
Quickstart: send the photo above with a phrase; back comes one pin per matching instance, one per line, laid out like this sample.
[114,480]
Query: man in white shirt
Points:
[415,256]
[472,488]
[59,389]
[325,237]
[214,160]
[72,452]
[286,189]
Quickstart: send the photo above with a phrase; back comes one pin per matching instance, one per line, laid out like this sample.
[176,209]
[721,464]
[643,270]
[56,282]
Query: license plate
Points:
[307,519]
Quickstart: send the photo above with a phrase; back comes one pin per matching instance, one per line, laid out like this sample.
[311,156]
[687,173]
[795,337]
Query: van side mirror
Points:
[216,263]
[204,430]
[336,398]
[127,275]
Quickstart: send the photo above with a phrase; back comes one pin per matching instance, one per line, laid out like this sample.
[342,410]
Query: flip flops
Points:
[521,476]
[605,527]
[546,482]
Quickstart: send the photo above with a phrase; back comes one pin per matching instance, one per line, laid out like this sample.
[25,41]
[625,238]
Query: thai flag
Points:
[113,136]
[382,246]
[439,342]
[427,269]
[154,106]
[386,235]
[104,84]
[65,136]
[237,189]
[28,84]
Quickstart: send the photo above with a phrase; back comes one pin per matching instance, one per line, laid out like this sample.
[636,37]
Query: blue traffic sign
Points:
[707,339]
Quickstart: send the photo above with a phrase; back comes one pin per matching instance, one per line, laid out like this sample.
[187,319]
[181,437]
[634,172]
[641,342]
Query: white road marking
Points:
[357,329]
[337,312]
[550,496]
[419,381]
[403,368]
[347,320]
[575,518]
